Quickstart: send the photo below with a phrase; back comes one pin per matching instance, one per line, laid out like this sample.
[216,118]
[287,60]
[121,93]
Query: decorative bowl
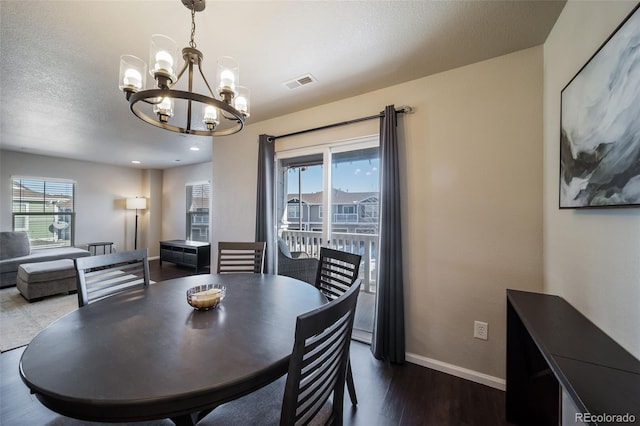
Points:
[205,297]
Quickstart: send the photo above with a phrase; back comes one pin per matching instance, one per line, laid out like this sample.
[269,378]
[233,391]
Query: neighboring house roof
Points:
[199,197]
[26,194]
[338,197]
[199,203]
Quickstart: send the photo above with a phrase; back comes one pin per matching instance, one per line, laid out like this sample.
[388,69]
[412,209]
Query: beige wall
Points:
[100,193]
[472,190]
[174,197]
[151,231]
[591,257]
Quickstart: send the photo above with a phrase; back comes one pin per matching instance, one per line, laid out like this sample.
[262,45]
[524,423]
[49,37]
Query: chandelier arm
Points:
[205,81]
[178,94]
[233,118]
[184,68]
[190,88]
[156,101]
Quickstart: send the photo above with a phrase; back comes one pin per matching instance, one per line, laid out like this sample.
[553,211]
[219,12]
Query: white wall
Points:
[591,257]
[100,193]
[472,190]
[174,198]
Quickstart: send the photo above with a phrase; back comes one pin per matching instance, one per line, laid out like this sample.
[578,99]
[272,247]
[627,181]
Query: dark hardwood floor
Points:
[387,394]
[169,271]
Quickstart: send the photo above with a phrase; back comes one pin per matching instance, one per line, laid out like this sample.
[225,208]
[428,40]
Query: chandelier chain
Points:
[192,43]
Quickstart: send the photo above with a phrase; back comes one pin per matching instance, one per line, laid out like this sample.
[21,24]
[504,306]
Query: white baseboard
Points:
[454,370]
[154,257]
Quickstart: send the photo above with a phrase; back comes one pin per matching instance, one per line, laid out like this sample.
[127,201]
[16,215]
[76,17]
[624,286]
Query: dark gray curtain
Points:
[388,330]
[265,201]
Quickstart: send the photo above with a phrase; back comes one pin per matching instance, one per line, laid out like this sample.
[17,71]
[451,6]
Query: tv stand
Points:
[192,254]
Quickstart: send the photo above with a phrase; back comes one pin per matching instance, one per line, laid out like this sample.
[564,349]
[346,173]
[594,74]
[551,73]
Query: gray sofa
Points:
[15,250]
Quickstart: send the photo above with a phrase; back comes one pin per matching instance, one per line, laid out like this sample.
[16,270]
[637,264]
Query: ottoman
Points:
[41,279]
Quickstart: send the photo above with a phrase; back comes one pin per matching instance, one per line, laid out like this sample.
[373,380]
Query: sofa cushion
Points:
[14,244]
[284,248]
[42,255]
[46,271]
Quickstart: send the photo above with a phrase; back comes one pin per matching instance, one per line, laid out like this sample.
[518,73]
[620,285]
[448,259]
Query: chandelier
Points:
[167,105]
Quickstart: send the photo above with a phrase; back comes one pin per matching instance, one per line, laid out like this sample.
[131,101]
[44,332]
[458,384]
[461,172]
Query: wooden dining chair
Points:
[314,386]
[337,273]
[240,257]
[108,274]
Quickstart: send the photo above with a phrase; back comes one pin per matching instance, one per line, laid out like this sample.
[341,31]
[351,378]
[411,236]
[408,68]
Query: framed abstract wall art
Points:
[600,125]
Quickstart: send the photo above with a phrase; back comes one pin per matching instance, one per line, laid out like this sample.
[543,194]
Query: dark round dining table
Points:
[146,354]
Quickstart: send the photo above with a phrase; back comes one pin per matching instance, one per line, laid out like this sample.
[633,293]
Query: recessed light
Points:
[135,161]
[194,148]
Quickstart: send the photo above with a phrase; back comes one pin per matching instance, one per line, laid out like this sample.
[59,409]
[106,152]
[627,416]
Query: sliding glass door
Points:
[329,196]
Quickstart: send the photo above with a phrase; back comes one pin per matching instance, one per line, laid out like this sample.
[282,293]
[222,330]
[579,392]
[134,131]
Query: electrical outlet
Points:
[481,330]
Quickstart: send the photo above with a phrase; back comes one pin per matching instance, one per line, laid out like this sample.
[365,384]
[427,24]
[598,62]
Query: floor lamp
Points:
[138,203]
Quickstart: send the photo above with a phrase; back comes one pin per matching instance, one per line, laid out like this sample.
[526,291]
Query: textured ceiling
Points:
[60,59]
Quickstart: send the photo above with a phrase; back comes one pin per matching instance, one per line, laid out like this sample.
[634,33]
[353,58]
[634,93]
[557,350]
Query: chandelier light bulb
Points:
[227,80]
[210,117]
[228,72]
[163,52]
[133,72]
[164,62]
[166,103]
[133,78]
[164,109]
[210,113]
[241,104]
[241,100]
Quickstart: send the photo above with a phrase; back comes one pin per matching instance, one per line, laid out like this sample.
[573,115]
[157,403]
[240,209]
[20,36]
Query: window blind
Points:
[198,212]
[45,209]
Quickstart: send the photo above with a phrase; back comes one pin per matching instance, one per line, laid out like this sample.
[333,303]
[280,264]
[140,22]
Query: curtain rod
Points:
[400,110]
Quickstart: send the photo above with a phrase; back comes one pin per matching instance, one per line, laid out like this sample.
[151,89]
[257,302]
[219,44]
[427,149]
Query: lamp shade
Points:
[138,203]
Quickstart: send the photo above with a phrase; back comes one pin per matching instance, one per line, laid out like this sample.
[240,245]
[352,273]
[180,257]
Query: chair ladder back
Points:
[316,382]
[337,271]
[105,275]
[241,257]
[318,363]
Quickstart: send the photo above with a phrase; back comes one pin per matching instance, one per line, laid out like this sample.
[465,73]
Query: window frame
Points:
[191,215]
[25,201]
[320,153]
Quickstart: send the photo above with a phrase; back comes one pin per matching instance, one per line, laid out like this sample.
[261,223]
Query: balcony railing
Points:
[345,218]
[366,245]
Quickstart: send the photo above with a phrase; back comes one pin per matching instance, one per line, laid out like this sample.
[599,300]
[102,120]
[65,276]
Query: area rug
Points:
[20,320]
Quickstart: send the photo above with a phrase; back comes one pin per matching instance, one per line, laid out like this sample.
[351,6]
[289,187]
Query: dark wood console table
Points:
[192,254]
[551,346]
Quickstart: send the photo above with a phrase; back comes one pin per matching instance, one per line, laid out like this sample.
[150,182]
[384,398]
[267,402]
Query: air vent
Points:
[300,81]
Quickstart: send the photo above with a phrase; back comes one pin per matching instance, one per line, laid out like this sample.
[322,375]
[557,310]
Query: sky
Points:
[354,176]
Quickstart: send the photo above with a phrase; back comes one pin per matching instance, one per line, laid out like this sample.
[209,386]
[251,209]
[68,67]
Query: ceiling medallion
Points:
[168,105]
